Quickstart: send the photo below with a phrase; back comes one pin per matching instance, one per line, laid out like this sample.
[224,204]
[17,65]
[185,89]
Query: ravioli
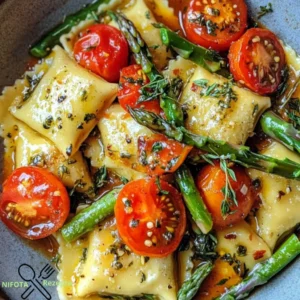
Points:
[9,124]
[208,116]
[120,135]
[66,104]
[89,264]
[231,239]
[280,208]
[32,149]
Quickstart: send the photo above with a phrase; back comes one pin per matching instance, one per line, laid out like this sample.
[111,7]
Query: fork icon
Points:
[46,272]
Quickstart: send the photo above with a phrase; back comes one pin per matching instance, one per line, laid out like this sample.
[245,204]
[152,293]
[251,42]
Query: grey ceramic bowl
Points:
[21,23]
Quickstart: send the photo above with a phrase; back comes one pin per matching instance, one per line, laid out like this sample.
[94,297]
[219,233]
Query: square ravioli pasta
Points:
[219,109]
[66,104]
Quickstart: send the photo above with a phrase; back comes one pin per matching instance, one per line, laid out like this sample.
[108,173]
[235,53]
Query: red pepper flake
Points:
[176,72]
[230,236]
[259,254]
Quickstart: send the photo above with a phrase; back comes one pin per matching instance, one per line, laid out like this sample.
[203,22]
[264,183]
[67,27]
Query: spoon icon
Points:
[28,274]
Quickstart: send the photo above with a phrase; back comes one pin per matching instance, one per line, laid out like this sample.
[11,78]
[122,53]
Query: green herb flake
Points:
[241,250]
[89,117]
[100,177]
[265,10]
[148,15]
[84,255]
[157,146]
[69,150]
[62,170]
[83,95]
[48,122]
[160,190]
[223,281]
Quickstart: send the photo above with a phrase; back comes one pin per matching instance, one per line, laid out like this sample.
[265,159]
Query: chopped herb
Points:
[62,170]
[172,163]
[48,122]
[294,112]
[61,98]
[238,266]
[143,158]
[84,255]
[154,47]
[223,281]
[117,265]
[79,184]
[100,177]
[37,160]
[83,95]
[33,82]
[143,277]
[265,10]
[227,190]
[213,11]
[161,191]
[176,87]
[80,126]
[125,155]
[200,19]
[9,135]
[241,250]
[70,116]
[69,150]
[134,223]
[124,180]
[224,92]
[147,14]
[157,146]
[89,117]
[131,80]
[154,89]
[205,247]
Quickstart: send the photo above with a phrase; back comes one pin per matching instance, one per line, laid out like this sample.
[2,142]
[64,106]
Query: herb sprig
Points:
[294,112]
[265,10]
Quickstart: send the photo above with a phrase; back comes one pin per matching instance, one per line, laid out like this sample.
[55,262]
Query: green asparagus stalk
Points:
[143,57]
[208,59]
[263,272]
[280,130]
[88,218]
[191,286]
[44,46]
[193,200]
[238,154]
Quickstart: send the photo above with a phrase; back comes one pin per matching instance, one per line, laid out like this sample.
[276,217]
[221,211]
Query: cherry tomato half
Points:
[104,50]
[257,60]
[217,24]
[211,181]
[131,80]
[34,203]
[162,155]
[150,217]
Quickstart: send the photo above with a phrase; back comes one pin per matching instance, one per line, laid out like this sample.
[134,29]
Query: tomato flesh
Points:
[34,203]
[132,79]
[104,50]
[215,24]
[257,60]
[150,217]
[162,155]
[210,182]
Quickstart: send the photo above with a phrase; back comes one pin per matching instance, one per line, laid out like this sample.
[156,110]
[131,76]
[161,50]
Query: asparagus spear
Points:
[191,286]
[88,218]
[170,106]
[263,272]
[280,130]
[193,200]
[238,154]
[208,59]
[44,46]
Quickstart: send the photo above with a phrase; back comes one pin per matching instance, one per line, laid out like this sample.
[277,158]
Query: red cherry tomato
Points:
[150,217]
[162,155]
[34,203]
[131,80]
[215,24]
[104,50]
[211,181]
[257,60]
